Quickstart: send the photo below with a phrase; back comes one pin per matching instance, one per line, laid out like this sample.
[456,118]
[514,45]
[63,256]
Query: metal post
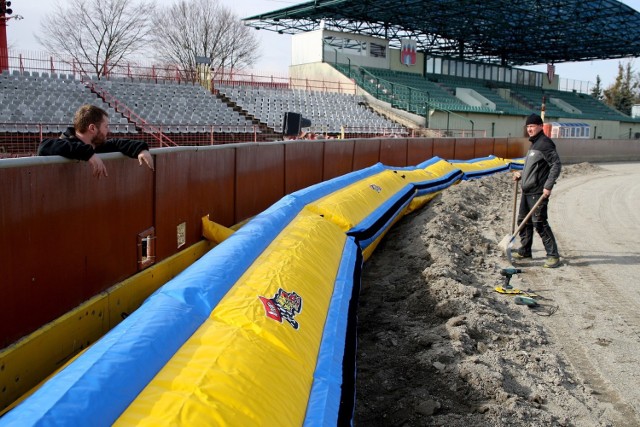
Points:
[4,50]
[426,110]
[426,115]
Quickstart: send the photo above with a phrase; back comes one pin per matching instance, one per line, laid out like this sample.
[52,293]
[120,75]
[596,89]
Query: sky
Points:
[275,54]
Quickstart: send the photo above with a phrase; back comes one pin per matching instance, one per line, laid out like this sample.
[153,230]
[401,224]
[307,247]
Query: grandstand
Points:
[412,92]
[176,108]
[36,105]
[426,68]
[28,100]
[329,112]
[478,91]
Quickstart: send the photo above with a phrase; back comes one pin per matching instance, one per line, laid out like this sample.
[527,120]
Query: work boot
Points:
[517,255]
[552,262]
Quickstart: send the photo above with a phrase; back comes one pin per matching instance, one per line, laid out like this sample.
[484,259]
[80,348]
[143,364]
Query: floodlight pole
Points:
[4,50]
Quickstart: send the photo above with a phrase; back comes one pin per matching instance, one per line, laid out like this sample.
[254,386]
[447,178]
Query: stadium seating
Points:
[411,92]
[30,99]
[328,111]
[33,102]
[178,108]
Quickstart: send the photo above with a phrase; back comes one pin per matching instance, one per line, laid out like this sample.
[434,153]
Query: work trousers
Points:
[538,222]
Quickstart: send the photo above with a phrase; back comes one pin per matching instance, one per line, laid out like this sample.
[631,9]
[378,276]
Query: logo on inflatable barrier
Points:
[376,188]
[283,305]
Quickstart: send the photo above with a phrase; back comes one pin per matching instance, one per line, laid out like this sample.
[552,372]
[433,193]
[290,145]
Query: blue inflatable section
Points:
[484,172]
[326,392]
[379,220]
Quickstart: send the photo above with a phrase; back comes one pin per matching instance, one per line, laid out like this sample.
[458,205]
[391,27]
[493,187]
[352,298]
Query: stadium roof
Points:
[523,32]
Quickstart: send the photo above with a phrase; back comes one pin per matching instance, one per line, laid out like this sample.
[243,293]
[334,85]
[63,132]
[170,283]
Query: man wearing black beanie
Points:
[541,170]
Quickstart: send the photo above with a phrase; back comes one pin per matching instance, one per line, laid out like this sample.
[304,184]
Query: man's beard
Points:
[99,139]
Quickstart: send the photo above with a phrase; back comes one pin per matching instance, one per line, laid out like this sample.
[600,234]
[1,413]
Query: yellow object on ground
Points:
[215,232]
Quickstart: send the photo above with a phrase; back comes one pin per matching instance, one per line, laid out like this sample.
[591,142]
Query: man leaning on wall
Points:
[88,136]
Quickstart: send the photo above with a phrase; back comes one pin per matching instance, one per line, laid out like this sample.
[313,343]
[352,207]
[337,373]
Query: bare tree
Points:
[203,28]
[97,34]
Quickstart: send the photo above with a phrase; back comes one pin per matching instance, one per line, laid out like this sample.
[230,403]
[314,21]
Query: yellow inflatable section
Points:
[246,345]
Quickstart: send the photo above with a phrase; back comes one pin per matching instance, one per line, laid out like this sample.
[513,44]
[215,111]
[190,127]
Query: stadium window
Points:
[507,75]
[431,65]
[459,69]
[377,50]
[331,41]
[481,72]
[346,46]
[354,47]
[437,66]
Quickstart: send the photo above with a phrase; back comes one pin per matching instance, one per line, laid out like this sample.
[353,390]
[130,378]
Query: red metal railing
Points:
[23,139]
[145,70]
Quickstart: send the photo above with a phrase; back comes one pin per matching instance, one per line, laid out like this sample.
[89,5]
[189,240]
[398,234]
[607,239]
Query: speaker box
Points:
[293,122]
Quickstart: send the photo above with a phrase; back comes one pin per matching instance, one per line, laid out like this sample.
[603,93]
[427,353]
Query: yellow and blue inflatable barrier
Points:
[259,331]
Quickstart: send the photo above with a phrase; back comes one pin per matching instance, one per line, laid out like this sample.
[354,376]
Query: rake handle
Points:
[515,203]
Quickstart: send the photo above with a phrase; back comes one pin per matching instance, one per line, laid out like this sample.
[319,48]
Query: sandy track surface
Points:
[437,346]
[597,219]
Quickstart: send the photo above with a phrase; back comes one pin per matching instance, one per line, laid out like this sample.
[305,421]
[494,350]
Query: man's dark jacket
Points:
[68,145]
[542,165]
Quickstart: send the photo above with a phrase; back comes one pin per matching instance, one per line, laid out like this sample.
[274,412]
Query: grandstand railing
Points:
[276,82]
[143,70]
[419,102]
[23,139]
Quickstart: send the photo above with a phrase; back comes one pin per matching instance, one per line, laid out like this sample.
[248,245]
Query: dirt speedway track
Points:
[438,346]
[599,286]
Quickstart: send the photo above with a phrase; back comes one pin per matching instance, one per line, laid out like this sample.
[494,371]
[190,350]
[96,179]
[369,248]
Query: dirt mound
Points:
[438,346]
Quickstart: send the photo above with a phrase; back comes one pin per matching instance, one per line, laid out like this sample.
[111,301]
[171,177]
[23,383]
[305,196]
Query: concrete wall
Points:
[598,150]
[494,125]
[337,82]
[306,48]
[396,65]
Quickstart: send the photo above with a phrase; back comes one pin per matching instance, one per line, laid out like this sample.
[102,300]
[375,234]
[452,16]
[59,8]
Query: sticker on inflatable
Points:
[376,188]
[283,305]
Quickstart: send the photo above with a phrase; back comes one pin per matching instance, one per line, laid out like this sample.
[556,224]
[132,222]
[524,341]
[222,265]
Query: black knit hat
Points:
[534,119]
